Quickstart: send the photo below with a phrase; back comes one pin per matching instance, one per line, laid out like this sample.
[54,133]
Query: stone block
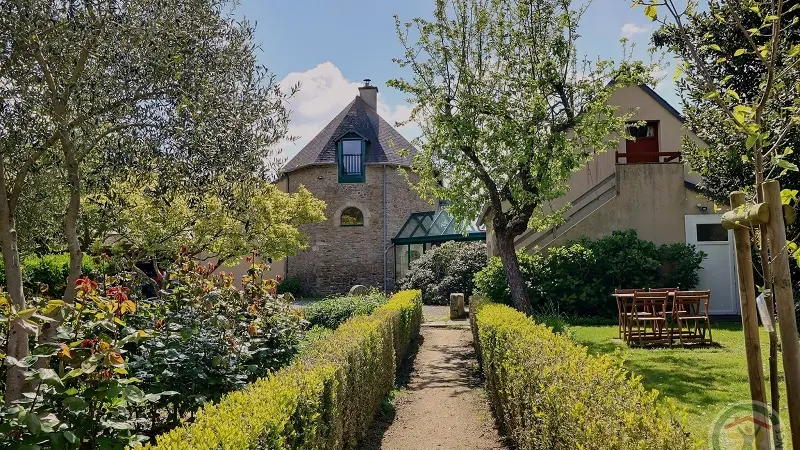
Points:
[457,310]
[359,289]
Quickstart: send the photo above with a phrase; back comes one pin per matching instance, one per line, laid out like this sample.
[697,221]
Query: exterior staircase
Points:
[583,206]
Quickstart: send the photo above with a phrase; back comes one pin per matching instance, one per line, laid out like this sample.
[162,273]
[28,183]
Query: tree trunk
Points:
[17,346]
[71,219]
[73,242]
[516,284]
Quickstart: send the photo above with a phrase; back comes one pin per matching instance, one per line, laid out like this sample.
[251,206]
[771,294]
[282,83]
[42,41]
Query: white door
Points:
[718,271]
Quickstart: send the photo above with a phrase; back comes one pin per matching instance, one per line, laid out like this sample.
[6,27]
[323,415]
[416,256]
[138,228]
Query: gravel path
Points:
[443,406]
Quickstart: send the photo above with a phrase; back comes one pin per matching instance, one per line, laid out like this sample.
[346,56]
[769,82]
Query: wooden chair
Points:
[649,309]
[691,309]
[671,291]
[621,307]
[664,289]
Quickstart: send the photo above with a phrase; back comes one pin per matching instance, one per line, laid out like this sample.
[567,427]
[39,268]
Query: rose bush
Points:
[122,368]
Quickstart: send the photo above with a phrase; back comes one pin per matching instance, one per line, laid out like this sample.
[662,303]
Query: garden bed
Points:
[325,399]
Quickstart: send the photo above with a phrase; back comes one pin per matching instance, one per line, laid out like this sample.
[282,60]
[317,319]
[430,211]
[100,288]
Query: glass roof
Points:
[436,226]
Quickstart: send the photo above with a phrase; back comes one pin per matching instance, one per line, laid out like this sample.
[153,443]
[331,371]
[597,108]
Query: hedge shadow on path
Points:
[385,416]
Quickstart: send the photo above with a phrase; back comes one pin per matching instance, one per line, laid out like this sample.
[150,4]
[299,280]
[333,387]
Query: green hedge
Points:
[579,278]
[49,270]
[331,312]
[325,400]
[549,393]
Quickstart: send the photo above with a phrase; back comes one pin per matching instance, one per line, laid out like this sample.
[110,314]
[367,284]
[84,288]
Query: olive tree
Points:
[508,110]
[102,90]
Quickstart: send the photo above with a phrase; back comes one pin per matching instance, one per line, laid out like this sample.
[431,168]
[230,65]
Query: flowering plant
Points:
[83,396]
[120,368]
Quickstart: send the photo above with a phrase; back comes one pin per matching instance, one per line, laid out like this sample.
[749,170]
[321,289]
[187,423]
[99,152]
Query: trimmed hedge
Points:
[324,400]
[549,393]
[49,270]
[333,311]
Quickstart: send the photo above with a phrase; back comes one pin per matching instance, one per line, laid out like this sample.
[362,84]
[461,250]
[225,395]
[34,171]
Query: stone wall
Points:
[339,257]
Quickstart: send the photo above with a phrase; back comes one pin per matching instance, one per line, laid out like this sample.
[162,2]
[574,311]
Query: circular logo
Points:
[742,424]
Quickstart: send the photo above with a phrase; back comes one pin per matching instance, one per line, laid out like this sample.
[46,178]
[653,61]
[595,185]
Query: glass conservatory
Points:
[425,230]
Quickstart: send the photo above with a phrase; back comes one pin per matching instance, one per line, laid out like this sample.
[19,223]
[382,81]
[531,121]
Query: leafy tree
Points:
[727,164]
[99,91]
[222,227]
[507,110]
[740,66]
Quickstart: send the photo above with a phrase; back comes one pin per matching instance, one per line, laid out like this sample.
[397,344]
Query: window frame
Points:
[648,123]
[718,227]
[360,178]
[354,224]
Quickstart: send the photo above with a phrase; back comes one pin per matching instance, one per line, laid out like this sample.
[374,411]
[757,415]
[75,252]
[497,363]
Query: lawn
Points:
[702,380]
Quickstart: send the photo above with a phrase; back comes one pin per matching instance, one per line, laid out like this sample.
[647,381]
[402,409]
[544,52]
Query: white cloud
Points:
[324,92]
[659,74]
[629,30]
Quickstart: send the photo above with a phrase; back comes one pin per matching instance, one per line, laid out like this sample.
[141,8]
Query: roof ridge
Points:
[386,143]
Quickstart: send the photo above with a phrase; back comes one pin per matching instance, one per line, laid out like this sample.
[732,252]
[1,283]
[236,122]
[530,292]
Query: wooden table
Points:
[626,325]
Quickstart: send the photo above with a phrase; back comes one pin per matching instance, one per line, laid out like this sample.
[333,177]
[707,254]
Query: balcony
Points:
[639,157]
[351,165]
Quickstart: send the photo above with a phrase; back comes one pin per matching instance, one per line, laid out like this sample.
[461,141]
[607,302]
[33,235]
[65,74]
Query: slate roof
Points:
[385,144]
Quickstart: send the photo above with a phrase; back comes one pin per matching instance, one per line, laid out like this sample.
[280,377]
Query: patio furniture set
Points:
[663,316]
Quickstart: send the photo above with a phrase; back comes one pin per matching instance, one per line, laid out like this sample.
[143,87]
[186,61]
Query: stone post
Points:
[457,307]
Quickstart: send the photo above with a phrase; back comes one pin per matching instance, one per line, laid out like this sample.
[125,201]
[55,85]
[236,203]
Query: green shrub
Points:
[48,271]
[549,393]
[290,286]
[325,400]
[331,312]
[581,276]
[443,270]
[551,317]
[313,335]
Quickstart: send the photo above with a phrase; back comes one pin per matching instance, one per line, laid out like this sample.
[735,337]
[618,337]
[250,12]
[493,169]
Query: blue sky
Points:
[330,46]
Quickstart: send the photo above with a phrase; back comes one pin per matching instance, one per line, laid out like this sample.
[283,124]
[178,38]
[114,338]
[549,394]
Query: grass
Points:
[702,380]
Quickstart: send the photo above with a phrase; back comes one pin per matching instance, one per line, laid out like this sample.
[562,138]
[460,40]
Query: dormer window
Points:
[351,155]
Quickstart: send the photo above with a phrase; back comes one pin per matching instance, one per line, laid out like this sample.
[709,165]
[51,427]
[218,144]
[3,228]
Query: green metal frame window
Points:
[351,217]
[351,154]
[436,227]
[424,230]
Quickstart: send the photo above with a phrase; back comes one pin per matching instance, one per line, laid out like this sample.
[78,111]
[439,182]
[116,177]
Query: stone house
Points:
[355,164]
[645,185]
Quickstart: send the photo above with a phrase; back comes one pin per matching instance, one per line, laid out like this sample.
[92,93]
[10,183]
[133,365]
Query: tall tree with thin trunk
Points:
[739,69]
[727,164]
[102,90]
[508,110]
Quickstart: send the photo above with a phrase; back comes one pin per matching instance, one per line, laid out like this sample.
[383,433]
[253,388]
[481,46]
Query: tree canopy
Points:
[165,96]
[727,164]
[507,109]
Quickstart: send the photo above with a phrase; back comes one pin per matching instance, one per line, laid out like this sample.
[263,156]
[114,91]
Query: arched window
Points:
[352,217]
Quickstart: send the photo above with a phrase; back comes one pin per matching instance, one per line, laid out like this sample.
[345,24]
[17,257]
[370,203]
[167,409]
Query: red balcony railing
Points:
[648,157]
